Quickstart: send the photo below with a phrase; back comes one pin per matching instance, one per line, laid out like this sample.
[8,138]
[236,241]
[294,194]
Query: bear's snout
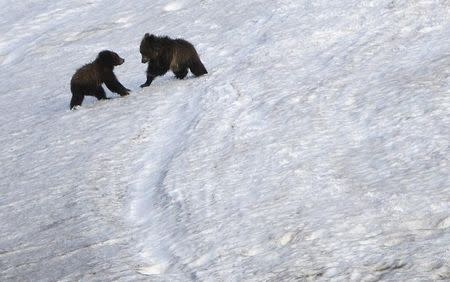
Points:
[144,60]
[120,61]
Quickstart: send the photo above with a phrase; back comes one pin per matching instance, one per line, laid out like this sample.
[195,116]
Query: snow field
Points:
[315,149]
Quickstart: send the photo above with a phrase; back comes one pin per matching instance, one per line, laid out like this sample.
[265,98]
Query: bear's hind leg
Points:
[77,99]
[181,73]
[197,68]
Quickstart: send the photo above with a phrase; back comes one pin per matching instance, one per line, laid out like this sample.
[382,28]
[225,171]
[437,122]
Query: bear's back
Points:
[87,75]
[183,51]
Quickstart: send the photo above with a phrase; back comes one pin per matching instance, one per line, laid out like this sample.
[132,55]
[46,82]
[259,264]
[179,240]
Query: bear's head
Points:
[109,58]
[150,48]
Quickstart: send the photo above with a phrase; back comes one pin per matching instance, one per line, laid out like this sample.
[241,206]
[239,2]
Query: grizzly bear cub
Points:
[88,80]
[164,53]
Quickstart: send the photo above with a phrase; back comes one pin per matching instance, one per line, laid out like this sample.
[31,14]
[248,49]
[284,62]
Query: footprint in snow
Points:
[173,6]
[152,270]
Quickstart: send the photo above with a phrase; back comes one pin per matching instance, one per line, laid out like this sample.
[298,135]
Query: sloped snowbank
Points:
[316,147]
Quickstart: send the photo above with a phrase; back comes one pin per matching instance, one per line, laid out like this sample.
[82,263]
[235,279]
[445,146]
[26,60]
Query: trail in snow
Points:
[316,148]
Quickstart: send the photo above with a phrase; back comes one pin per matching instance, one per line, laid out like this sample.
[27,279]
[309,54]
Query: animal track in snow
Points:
[444,223]
[173,6]
[286,238]
[152,270]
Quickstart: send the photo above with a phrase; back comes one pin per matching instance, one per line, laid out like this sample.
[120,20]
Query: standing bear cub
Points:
[88,80]
[164,53]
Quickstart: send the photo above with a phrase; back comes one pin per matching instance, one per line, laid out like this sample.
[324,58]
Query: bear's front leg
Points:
[156,68]
[153,70]
[150,78]
[114,85]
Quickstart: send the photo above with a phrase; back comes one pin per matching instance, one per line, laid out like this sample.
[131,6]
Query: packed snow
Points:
[317,147]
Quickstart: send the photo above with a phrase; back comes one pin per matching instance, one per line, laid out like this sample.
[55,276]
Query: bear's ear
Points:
[149,36]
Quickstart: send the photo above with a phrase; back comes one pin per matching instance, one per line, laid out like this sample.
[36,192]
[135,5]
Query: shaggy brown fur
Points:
[88,80]
[164,53]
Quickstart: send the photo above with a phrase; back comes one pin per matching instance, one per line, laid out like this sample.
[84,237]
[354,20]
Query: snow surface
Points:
[317,147]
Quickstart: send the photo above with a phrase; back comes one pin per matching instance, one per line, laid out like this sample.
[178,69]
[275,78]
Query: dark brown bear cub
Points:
[164,53]
[88,80]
